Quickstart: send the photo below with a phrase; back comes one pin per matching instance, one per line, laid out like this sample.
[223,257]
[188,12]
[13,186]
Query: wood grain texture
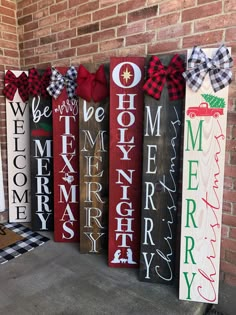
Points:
[18,155]
[160,180]
[203,177]
[94,163]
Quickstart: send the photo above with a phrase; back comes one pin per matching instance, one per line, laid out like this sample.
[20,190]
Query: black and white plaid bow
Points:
[59,81]
[218,67]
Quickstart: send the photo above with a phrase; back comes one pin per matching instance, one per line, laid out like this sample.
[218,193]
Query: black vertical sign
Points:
[160,181]
[41,161]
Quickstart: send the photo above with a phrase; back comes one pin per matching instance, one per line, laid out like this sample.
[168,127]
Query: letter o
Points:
[116,75]
[20,180]
[123,123]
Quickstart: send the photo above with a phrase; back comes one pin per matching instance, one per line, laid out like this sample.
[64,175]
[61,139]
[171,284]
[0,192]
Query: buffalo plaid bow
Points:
[92,85]
[38,85]
[12,83]
[159,74]
[218,67]
[59,81]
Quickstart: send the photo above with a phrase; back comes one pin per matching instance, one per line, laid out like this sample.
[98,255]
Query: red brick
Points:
[231,145]
[229,220]
[229,5]
[31,26]
[112,22]
[43,49]
[66,15]
[174,31]
[229,196]
[88,7]
[204,1]
[58,27]
[234,132]
[73,3]
[30,9]
[232,233]
[214,22]
[45,3]
[8,28]
[11,53]
[87,49]
[230,170]
[228,183]
[47,21]
[230,34]
[9,4]
[7,44]
[82,20]
[228,244]
[66,53]
[230,256]
[162,21]
[41,13]
[31,60]
[103,57]
[203,39]
[166,46]
[25,19]
[66,34]
[175,5]
[103,35]
[131,28]
[139,50]
[104,13]
[225,231]
[142,14]
[47,57]
[8,20]
[140,39]
[58,7]
[48,39]
[111,44]
[231,118]
[202,11]
[228,267]
[81,40]
[87,29]
[7,11]
[62,45]
[130,5]
[230,279]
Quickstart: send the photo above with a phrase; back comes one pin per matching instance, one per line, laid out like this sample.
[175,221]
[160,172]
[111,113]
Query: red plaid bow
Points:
[12,83]
[159,74]
[92,85]
[37,84]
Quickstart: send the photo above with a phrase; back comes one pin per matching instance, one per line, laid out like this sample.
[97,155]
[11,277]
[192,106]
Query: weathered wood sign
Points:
[125,168]
[40,104]
[66,165]
[160,179]
[93,141]
[18,146]
[203,177]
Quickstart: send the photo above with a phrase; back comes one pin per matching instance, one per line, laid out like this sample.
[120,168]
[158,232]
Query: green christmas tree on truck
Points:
[212,107]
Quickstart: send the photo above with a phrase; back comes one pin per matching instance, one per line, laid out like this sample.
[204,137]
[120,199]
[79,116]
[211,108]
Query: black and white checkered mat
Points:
[31,240]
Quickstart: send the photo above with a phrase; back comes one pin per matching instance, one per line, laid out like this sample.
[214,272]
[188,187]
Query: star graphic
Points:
[126,75]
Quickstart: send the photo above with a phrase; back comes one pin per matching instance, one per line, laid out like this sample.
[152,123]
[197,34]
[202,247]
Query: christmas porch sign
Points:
[164,98]
[207,79]
[65,115]
[125,160]
[18,145]
[93,93]
[40,104]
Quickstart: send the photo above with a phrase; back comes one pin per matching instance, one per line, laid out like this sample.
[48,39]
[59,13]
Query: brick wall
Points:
[9,59]
[70,32]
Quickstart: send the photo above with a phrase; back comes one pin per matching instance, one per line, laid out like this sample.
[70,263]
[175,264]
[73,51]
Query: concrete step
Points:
[56,279]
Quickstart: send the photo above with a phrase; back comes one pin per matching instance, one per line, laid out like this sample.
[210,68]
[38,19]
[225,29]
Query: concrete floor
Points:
[56,279]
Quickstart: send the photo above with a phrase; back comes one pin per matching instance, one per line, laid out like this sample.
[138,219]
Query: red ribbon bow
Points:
[37,84]
[159,74]
[92,85]
[12,83]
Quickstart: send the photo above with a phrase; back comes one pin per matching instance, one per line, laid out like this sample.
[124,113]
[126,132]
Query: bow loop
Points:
[12,83]
[59,81]
[218,68]
[158,75]
[92,85]
[38,85]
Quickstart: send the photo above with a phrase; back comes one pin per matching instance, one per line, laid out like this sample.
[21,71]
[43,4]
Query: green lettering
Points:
[189,284]
[190,212]
[191,174]
[189,247]
[198,136]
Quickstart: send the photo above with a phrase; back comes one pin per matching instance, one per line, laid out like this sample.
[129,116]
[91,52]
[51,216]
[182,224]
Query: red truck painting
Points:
[204,110]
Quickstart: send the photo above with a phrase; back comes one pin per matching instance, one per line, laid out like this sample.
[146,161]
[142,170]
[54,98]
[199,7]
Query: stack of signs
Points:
[65,158]
[203,175]
[40,105]
[161,160]
[18,145]
[93,132]
[125,169]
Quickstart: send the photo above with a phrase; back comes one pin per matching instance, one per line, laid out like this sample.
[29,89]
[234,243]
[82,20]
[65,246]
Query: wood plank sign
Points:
[125,147]
[203,172]
[40,104]
[65,111]
[2,195]
[18,145]
[161,160]
[93,140]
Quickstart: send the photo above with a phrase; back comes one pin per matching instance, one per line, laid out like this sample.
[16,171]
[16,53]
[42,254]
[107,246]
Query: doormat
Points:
[20,240]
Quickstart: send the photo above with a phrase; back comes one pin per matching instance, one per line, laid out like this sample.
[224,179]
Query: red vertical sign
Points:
[66,167]
[125,169]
